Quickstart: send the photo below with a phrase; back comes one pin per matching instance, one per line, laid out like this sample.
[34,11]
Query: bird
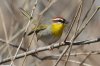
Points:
[51,33]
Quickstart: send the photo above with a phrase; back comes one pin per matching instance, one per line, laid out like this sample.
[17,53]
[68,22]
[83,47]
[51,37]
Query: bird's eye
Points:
[61,20]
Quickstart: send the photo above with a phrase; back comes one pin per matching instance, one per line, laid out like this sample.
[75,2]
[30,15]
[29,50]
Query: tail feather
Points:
[30,33]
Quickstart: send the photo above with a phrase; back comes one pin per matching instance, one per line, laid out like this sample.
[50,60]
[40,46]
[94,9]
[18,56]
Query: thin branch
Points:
[71,61]
[73,38]
[41,49]
[22,38]
[88,11]
[50,4]
[72,23]
[86,14]
[70,46]
[34,7]
[21,48]
[88,21]
[40,15]
[5,32]
[52,57]
[86,58]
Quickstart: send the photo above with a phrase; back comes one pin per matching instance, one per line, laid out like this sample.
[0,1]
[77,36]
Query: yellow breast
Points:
[57,29]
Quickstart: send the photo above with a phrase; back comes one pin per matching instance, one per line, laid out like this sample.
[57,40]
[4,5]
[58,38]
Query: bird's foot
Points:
[51,47]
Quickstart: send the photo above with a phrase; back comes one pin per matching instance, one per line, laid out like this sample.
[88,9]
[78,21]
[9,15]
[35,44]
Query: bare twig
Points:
[22,38]
[72,23]
[52,57]
[85,42]
[5,32]
[88,11]
[40,15]
[86,58]
[16,46]
[86,14]
[66,48]
[73,38]
[34,7]
[51,3]
[55,57]
[88,21]
[48,48]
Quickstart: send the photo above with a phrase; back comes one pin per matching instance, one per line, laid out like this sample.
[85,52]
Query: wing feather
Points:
[38,29]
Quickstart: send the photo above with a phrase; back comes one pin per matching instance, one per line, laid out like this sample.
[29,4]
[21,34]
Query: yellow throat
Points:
[57,29]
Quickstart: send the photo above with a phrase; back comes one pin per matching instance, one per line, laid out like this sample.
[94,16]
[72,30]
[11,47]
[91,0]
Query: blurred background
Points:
[13,22]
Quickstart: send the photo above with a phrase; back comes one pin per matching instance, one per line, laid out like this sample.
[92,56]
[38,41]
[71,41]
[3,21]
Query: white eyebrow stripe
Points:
[58,19]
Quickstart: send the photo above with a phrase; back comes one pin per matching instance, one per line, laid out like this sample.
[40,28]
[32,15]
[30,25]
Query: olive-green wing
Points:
[36,30]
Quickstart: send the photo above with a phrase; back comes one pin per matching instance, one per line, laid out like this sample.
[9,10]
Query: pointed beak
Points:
[67,22]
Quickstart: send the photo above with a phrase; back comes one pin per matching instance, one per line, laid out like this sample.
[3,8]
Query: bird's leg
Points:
[51,47]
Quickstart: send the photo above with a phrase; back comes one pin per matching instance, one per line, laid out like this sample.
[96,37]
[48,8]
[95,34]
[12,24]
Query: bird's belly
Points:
[49,40]
[47,37]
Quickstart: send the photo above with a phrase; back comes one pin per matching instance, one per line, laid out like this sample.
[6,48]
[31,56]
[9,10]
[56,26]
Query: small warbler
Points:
[51,33]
